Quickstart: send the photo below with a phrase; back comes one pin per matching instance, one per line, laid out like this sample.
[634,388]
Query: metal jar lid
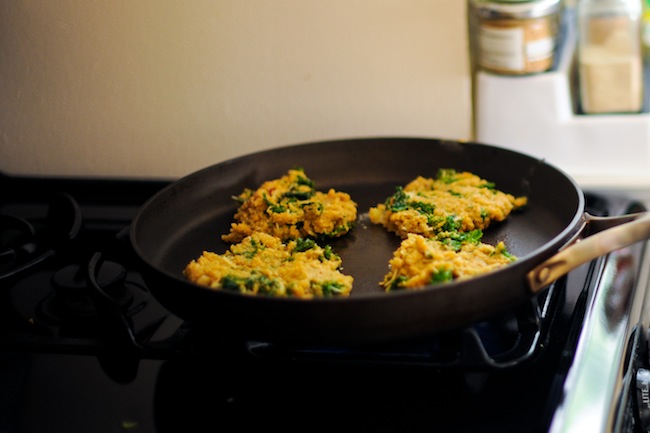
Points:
[515,9]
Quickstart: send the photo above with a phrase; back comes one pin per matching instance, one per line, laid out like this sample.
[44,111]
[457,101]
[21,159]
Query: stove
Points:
[84,346]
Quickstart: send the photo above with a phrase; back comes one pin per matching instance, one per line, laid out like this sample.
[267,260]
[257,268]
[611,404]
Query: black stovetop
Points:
[85,347]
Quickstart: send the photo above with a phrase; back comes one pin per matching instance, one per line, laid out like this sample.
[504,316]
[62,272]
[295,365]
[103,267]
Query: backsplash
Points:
[161,89]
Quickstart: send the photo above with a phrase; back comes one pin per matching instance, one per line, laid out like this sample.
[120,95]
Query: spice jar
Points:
[610,56]
[516,37]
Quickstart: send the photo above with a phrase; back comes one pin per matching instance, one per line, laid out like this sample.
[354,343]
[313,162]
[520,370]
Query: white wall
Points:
[160,88]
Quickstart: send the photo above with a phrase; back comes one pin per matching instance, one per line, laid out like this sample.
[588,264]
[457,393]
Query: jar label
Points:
[517,46]
[501,48]
[541,49]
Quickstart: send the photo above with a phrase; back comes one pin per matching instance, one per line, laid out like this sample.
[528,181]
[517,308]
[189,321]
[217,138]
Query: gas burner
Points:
[24,246]
[503,341]
[73,305]
[16,242]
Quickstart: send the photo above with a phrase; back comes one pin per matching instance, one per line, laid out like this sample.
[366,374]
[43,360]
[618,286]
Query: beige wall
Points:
[160,88]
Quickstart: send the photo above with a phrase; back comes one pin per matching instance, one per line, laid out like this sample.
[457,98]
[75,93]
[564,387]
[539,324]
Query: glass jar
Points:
[516,37]
[610,56]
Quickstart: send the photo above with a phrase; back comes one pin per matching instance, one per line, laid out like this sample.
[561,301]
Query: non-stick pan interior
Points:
[191,217]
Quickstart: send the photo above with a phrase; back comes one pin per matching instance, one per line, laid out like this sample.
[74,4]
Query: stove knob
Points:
[643,397]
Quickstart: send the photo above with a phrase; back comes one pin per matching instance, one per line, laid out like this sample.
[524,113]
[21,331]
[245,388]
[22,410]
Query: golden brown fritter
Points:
[453,201]
[263,265]
[420,261]
[290,208]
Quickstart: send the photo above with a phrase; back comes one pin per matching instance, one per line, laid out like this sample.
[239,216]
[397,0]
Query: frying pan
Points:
[553,235]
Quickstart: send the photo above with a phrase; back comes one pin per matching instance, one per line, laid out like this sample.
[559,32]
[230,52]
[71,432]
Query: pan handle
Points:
[606,234]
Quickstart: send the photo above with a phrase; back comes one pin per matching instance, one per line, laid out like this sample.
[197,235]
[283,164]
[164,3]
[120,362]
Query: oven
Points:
[84,346]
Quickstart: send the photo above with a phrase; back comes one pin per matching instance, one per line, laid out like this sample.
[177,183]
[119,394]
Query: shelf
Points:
[536,115]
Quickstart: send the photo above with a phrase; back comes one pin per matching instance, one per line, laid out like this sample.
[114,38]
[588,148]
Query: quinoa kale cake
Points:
[453,201]
[420,261]
[291,208]
[261,264]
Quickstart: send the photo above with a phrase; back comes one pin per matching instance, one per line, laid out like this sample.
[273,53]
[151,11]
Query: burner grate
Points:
[503,341]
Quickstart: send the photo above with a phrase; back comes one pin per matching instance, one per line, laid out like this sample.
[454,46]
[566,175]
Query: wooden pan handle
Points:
[584,250]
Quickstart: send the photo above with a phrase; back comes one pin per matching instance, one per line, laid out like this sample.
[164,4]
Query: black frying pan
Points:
[189,216]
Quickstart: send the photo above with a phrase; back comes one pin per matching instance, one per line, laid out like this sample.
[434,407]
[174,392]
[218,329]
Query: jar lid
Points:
[517,9]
